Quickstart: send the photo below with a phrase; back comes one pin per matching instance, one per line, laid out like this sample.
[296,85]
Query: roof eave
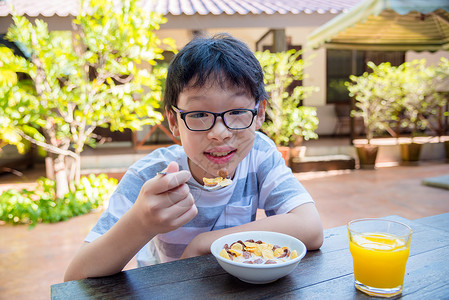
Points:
[387,47]
[327,32]
[277,20]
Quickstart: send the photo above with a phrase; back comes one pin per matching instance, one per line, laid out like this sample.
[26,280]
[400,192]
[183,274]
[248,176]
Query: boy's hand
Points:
[165,202]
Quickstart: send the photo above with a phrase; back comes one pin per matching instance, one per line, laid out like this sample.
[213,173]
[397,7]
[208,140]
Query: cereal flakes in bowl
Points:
[258,256]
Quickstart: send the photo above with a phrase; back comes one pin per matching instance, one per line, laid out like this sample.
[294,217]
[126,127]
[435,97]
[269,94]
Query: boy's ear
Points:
[261,114]
[172,121]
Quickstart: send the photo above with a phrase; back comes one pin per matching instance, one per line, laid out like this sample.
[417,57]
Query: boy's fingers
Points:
[177,195]
[172,167]
[170,181]
[183,211]
[186,215]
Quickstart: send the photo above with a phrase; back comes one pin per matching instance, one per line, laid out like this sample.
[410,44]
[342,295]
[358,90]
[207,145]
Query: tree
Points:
[421,99]
[287,119]
[374,97]
[405,95]
[102,74]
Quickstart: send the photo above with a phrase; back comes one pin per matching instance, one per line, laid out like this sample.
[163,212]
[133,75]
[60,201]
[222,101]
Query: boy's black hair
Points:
[221,58]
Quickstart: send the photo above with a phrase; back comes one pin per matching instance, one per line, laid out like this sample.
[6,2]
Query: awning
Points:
[387,25]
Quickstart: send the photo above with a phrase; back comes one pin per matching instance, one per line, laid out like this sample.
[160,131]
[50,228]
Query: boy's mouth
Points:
[220,157]
[219,154]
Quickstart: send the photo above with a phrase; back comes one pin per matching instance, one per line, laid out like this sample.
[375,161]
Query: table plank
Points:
[439,221]
[161,274]
[426,278]
[324,270]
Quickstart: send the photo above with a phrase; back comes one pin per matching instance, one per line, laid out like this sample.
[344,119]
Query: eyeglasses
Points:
[234,119]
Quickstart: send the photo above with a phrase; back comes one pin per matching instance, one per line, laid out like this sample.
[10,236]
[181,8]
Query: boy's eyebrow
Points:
[241,93]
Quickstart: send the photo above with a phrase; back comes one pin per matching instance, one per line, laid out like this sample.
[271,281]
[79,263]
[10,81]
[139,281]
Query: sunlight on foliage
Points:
[39,205]
[105,73]
[287,119]
[404,96]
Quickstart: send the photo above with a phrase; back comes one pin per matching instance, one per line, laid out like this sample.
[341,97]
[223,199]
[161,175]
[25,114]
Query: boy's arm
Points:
[109,253]
[164,204]
[303,222]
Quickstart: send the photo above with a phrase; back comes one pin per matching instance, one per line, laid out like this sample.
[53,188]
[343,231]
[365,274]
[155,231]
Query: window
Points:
[342,63]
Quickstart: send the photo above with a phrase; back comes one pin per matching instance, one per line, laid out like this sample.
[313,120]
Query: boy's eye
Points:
[197,115]
[237,112]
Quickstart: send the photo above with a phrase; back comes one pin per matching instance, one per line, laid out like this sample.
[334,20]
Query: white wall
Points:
[431,58]
[315,68]
[315,71]
[249,35]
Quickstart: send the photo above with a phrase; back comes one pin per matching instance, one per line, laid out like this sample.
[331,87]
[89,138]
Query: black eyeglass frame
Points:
[183,114]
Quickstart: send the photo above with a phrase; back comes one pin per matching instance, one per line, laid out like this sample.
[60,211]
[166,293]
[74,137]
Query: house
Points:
[262,24]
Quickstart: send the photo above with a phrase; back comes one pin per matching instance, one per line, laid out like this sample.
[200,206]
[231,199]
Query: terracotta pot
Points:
[410,152]
[298,151]
[367,156]
[285,151]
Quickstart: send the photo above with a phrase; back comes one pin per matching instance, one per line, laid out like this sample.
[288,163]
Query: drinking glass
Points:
[380,249]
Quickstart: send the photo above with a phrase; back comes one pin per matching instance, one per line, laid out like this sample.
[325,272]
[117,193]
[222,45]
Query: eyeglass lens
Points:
[234,119]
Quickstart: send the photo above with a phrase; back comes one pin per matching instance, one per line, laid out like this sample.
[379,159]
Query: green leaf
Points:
[40,205]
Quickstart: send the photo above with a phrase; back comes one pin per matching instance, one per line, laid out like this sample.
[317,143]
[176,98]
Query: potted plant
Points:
[287,122]
[442,88]
[419,101]
[369,92]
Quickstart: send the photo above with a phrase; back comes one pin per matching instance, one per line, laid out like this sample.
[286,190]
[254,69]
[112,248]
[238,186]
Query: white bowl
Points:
[259,273]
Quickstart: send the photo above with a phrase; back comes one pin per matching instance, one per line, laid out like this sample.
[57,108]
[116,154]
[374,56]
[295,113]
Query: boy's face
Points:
[219,147]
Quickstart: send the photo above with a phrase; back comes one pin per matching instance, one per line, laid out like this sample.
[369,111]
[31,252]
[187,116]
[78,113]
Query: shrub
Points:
[38,206]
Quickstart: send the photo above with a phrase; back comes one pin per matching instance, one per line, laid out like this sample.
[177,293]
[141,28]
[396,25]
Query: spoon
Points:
[221,184]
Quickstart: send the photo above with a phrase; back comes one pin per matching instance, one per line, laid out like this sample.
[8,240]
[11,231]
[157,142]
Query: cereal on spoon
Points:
[218,182]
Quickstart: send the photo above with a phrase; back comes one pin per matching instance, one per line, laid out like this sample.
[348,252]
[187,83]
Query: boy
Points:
[215,101]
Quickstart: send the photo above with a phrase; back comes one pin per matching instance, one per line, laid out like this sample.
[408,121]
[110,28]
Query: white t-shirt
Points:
[262,180]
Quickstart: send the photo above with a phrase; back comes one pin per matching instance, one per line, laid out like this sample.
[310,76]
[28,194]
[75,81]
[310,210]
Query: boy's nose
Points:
[219,131]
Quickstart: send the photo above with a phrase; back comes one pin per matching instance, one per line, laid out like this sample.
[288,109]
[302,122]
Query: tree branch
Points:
[46,146]
[123,80]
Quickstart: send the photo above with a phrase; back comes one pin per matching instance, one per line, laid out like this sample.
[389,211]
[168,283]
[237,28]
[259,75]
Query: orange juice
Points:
[379,259]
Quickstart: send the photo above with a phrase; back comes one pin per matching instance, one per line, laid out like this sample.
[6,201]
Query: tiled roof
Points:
[46,8]
[243,7]
[188,7]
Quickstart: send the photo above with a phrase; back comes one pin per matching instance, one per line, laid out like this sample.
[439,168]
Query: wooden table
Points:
[323,274]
